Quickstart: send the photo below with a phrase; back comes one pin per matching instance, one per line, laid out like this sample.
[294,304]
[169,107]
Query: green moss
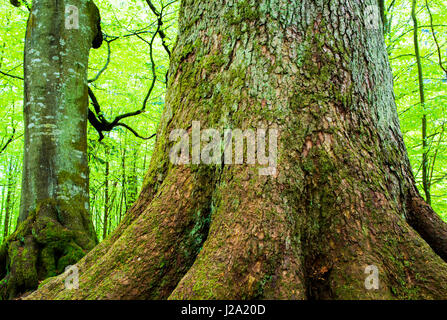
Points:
[72,253]
[245,11]
[40,248]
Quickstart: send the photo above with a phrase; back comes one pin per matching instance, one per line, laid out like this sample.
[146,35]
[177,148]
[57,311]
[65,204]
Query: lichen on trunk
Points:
[54,225]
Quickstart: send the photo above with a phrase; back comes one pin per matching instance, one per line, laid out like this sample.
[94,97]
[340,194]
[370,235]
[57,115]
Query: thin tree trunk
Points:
[3,200]
[122,201]
[132,185]
[123,183]
[145,156]
[113,216]
[4,187]
[342,198]
[425,163]
[106,200]
[10,187]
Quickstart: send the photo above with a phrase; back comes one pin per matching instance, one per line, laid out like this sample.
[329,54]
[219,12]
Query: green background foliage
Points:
[401,51]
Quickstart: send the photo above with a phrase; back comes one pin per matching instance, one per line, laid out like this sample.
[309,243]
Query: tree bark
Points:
[123,198]
[8,203]
[106,199]
[54,225]
[425,161]
[132,182]
[343,196]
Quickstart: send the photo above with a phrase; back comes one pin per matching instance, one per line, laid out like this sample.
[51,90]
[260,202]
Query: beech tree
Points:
[55,229]
[341,202]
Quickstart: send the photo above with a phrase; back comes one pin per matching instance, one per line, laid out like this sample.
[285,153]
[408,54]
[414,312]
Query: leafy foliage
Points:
[120,88]
[402,57]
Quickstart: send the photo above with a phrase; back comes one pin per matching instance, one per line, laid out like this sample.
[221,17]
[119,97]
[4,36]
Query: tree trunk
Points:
[425,161]
[123,197]
[342,201]
[8,203]
[55,228]
[106,200]
[132,183]
[4,189]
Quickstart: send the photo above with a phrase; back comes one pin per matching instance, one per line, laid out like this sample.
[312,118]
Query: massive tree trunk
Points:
[55,228]
[342,199]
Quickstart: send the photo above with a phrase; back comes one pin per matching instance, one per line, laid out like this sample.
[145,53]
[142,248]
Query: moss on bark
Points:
[338,201]
[54,227]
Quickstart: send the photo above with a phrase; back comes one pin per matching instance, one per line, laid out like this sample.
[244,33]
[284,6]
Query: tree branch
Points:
[11,139]
[435,39]
[11,75]
[100,123]
[107,62]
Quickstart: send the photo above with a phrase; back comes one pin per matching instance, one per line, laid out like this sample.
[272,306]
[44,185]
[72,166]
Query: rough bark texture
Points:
[55,228]
[343,194]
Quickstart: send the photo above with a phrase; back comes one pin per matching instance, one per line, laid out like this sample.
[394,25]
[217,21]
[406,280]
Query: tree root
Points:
[428,224]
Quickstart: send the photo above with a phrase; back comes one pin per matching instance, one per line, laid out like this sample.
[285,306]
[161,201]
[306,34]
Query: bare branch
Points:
[11,75]
[107,62]
[100,123]
[11,139]
[434,38]
[120,124]
[159,16]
